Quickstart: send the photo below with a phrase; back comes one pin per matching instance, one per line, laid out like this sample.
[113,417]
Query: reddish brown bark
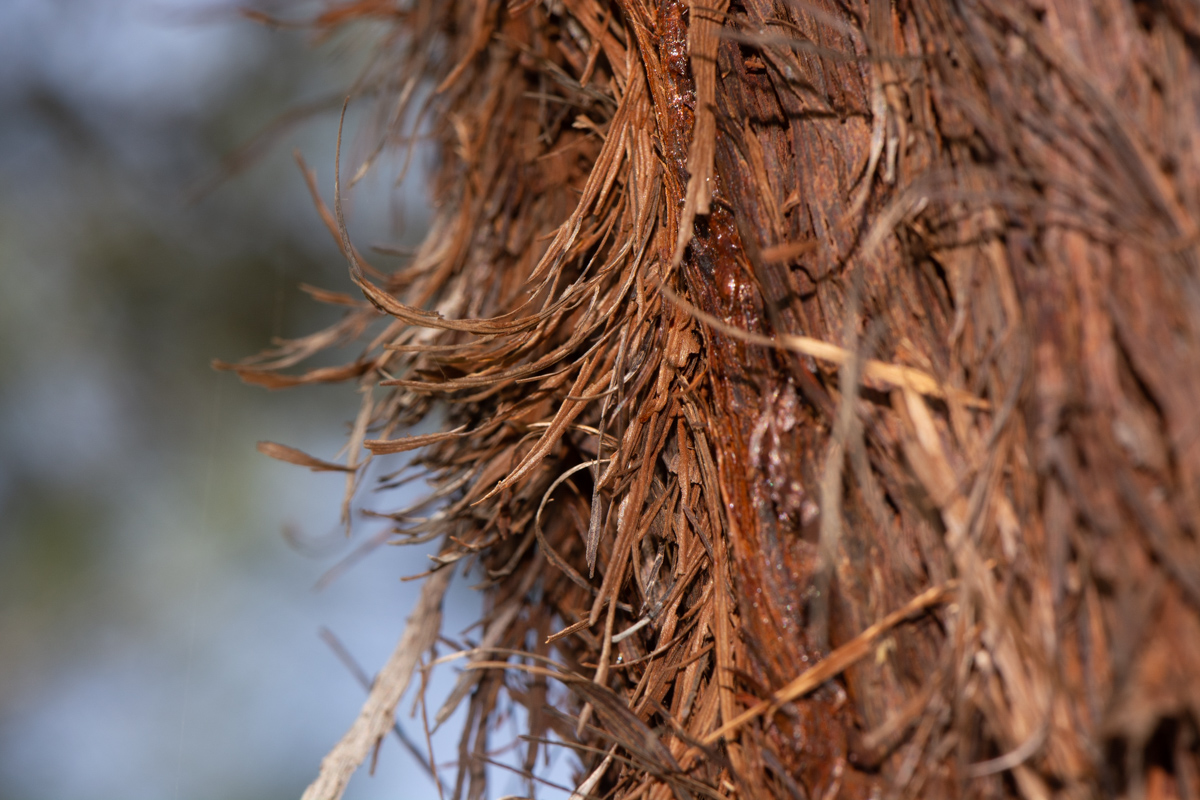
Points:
[718,442]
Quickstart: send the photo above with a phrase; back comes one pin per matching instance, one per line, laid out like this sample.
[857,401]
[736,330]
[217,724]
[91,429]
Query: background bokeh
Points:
[158,633]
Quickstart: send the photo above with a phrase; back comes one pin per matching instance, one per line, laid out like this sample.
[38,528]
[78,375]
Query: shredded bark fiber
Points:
[821,388]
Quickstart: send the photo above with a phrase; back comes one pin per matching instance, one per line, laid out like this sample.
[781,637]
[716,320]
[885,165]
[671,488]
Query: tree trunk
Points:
[832,335]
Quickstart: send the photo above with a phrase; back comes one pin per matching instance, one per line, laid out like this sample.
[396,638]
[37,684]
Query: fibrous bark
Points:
[754,321]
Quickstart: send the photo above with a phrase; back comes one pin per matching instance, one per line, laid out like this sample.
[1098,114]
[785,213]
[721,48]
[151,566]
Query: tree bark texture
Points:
[753,320]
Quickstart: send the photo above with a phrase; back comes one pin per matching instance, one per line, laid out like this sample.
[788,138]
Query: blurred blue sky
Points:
[158,636]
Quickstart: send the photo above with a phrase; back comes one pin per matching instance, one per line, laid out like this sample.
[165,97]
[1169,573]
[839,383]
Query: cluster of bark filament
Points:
[819,381]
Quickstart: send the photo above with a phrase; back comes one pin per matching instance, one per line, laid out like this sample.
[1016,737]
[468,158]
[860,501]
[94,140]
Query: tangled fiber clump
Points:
[821,386]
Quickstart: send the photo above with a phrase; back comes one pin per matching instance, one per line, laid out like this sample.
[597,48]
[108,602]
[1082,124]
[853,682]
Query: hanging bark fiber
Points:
[821,388]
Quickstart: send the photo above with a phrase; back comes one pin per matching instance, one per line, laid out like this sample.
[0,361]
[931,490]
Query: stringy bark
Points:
[859,337]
